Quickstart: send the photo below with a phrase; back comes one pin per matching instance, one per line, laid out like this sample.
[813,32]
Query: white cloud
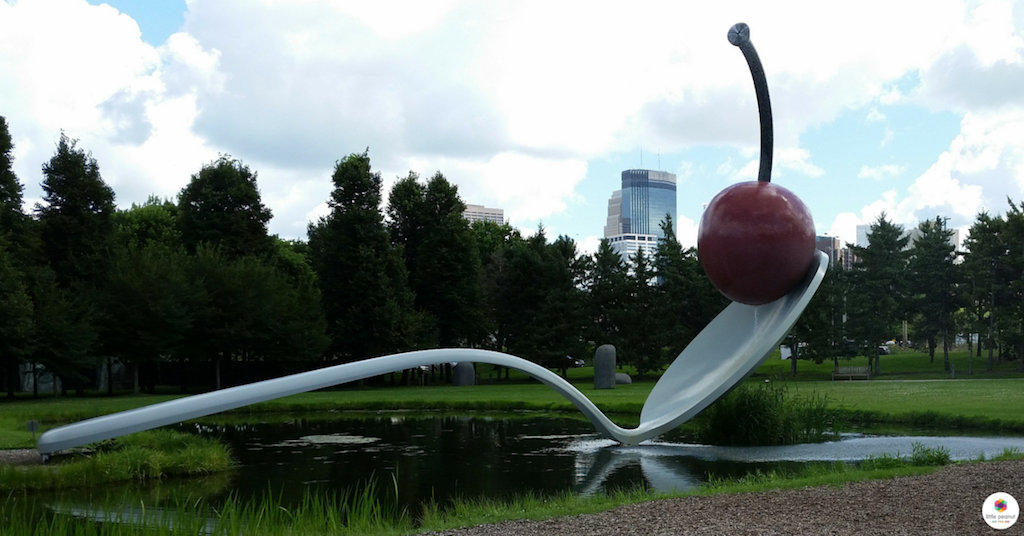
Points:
[784,160]
[887,137]
[890,96]
[884,171]
[394,19]
[875,116]
[983,166]
[509,100]
[686,231]
[844,226]
[588,245]
[798,160]
[890,204]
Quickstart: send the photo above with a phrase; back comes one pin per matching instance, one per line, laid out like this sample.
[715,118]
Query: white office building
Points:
[481,213]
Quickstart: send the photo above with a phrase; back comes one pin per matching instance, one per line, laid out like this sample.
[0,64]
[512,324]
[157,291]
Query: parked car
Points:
[568,362]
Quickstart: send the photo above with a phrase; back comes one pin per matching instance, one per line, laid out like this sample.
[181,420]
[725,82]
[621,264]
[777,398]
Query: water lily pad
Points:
[339,439]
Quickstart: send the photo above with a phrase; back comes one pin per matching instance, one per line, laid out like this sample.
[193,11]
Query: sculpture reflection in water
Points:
[594,468]
[674,467]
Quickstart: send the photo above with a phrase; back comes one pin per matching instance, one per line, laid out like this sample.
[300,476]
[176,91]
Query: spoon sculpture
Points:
[735,343]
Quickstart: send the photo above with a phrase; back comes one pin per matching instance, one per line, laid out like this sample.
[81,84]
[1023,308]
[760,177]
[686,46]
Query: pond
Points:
[439,457]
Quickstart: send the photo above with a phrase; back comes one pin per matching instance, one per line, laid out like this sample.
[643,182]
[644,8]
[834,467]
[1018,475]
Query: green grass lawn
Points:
[905,391]
[901,364]
[985,398]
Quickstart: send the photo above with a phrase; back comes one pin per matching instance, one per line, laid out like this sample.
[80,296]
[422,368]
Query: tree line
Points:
[919,286]
[197,284]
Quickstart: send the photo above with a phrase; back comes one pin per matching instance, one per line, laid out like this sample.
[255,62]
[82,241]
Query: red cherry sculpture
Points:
[756,239]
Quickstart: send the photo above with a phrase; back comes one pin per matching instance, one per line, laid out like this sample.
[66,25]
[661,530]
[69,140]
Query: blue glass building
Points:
[636,211]
[647,196]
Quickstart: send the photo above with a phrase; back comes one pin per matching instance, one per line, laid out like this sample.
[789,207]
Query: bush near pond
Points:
[764,414]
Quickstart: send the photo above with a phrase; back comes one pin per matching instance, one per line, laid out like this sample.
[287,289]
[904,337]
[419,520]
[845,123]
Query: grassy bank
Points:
[987,404]
[146,455]
[979,404]
[369,510]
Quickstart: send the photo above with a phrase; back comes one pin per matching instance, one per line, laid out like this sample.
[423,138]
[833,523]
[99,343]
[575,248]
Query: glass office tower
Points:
[636,211]
[647,196]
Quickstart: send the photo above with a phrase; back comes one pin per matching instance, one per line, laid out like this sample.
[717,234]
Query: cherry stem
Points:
[739,35]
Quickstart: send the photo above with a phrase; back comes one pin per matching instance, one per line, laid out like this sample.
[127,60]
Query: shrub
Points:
[766,415]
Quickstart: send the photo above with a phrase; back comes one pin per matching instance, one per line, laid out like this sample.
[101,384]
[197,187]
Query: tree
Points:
[1011,273]
[15,320]
[984,253]
[300,330]
[521,288]
[146,304]
[63,331]
[363,280]
[221,206]
[819,333]
[562,313]
[15,304]
[877,297]
[685,299]
[76,229]
[933,285]
[76,218]
[12,219]
[251,309]
[439,246]
[153,222]
[641,347]
[608,293]
[539,299]
[493,241]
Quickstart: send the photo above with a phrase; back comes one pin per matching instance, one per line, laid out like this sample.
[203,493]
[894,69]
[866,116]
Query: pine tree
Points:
[363,280]
[981,262]
[444,274]
[608,295]
[76,218]
[15,320]
[877,299]
[11,216]
[934,285]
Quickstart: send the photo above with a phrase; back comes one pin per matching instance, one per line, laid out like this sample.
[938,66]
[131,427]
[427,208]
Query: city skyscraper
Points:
[647,196]
[635,211]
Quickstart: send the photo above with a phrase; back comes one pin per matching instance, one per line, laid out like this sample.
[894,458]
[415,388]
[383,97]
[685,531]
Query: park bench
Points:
[851,373]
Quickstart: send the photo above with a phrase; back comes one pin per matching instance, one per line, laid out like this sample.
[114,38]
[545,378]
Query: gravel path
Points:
[946,502]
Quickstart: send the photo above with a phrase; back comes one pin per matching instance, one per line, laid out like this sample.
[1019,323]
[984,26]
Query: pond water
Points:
[445,456]
[438,457]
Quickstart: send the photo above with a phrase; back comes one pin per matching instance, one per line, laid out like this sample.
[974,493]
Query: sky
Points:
[913,109]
